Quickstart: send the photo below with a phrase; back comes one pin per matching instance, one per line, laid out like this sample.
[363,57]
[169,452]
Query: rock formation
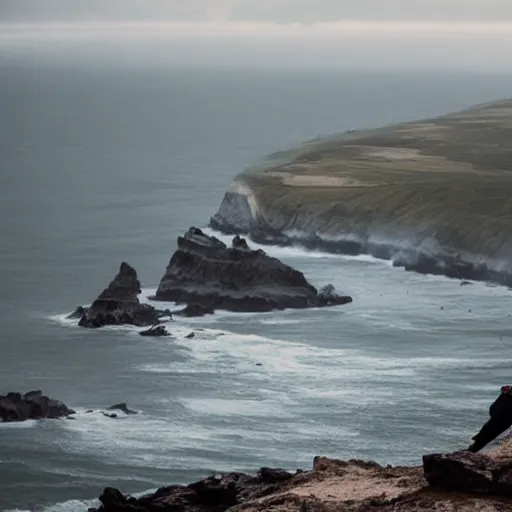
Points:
[119,304]
[207,273]
[461,481]
[31,406]
[121,407]
[194,310]
[155,331]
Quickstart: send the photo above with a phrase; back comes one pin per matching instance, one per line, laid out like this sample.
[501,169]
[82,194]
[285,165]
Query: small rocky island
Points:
[206,272]
[31,406]
[204,275]
[119,304]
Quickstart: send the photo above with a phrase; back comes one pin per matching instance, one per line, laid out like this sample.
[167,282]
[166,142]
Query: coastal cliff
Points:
[433,195]
[455,482]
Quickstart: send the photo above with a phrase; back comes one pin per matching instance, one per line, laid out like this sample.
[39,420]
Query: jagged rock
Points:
[480,483]
[156,331]
[240,243]
[31,405]
[112,499]
[121,407]
[334,488]
[77,314]
[459,471]
[119,303]
[190,335]
[194,310]
[273,475]
[205,272]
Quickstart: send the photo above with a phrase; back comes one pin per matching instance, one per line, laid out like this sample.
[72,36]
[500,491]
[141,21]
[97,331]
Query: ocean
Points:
[101,164]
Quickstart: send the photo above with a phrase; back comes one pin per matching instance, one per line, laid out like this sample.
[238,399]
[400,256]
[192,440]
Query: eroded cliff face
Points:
[434,196]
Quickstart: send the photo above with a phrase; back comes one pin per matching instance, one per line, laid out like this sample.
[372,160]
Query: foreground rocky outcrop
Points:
[419,194]
[31,406]
[119,304]
[461,481]
[208,274]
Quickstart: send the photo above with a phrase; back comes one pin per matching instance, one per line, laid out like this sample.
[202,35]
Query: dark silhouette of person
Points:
[501,419]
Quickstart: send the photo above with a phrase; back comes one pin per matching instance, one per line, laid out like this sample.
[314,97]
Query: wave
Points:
[4,425]
[65,506]
[275,250]
[422,250]
[74,505]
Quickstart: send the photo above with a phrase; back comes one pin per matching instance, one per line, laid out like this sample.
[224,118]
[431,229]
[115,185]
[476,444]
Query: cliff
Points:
[432,195]
[456,482]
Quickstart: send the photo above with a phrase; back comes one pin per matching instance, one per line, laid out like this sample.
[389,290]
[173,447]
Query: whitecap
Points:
[236,407]
[293,251]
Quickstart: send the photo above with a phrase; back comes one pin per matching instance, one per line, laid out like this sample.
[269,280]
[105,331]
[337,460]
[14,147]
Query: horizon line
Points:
[228,28]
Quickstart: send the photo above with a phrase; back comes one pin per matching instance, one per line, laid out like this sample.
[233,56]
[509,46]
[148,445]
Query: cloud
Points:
[310,11]
[278,11]
[114,10]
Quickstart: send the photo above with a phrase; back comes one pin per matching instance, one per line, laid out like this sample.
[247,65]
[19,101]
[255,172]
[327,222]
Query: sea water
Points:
[101,164]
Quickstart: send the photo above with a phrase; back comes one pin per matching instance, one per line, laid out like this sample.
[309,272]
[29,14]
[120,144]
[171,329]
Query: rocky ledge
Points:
[119,304]
[207,273]
[31,406]
[460,481]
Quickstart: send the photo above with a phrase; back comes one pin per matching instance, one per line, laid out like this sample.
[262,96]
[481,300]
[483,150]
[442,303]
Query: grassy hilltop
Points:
[447,178]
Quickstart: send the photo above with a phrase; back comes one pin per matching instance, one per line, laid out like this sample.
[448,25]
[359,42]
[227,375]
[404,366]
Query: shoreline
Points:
[458,481]
[406,256]
[431,196]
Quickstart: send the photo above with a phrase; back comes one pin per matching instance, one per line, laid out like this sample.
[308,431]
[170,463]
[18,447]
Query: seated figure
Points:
[501,419]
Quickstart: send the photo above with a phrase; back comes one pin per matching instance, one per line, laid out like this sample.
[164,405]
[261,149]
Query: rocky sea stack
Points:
[119,304]
[207,273]
[31,406]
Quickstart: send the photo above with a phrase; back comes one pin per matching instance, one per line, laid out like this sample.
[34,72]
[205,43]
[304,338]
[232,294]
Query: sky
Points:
[444,33]
[278,11]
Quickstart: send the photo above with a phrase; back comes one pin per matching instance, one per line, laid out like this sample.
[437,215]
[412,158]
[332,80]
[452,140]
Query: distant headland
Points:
[434,196]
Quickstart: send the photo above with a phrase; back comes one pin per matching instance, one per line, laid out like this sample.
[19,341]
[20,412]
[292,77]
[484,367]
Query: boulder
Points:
[112,499]
[77,314]
[121,407]
[155,331]
[273,475]
[119,304]
[205,272]
[194,310]
[468,472]
[459,471]
[31,405]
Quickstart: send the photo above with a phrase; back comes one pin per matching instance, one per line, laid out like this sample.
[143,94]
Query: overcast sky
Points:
[470,34]
[281,11]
